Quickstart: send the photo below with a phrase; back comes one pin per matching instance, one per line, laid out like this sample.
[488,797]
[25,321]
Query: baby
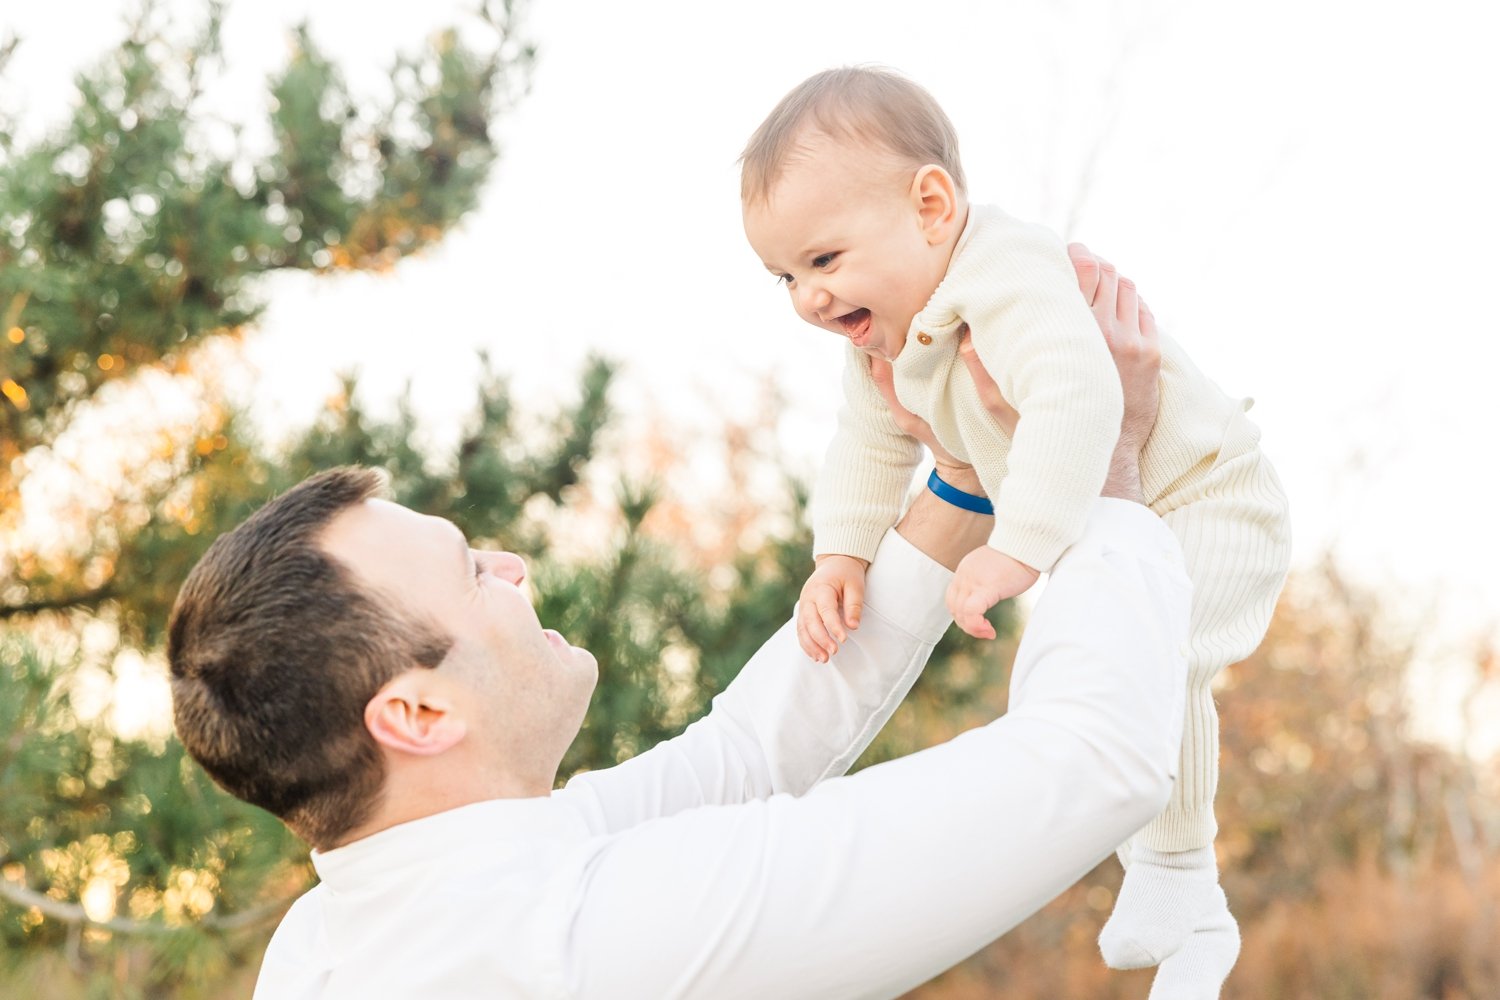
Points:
[854,198]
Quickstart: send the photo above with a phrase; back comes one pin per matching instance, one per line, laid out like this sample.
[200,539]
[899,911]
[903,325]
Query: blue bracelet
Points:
[957,497]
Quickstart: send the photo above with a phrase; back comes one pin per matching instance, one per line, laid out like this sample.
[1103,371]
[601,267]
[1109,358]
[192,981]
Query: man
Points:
[354,667]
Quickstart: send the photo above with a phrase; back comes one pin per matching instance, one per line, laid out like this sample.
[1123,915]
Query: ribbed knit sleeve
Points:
[866,472]
[1015,287]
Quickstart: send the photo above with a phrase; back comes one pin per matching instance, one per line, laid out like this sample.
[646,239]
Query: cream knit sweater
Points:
[1012,283]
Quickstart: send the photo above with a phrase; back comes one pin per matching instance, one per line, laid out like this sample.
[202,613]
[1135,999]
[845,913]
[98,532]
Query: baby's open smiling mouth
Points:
[856,325]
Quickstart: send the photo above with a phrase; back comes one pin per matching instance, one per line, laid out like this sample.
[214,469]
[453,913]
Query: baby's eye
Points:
[823,260]
[785,279]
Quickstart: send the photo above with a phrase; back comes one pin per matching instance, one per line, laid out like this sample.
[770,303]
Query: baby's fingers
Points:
[953,599]
[977,626]
[958,600]
[854,603]
[819,616]
[971,618]
[810,646]
[827,602]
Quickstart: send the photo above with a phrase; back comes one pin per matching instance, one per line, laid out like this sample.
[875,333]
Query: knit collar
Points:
[939,319]
[963,237]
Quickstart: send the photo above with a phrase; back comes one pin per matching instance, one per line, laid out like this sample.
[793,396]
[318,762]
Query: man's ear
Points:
[413,713]
[936,199]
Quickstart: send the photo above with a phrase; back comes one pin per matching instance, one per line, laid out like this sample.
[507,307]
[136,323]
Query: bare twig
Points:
[86,598]
[8,49]
[74,915]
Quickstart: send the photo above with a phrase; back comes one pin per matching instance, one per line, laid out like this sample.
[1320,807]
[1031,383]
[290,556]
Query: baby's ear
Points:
[936,199]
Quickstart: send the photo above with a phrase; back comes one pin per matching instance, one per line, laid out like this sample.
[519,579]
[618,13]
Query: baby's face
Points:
[842,230]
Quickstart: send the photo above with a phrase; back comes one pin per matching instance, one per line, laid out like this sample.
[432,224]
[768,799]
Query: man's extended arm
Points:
[870,884]
[778,743]
[785,722]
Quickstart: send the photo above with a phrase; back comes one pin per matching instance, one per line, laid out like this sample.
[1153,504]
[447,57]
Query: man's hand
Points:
[914,426]
[838,583]
[1130,331]
[985,577]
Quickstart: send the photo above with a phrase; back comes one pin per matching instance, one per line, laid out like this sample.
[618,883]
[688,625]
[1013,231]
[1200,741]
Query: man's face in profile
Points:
[525,688]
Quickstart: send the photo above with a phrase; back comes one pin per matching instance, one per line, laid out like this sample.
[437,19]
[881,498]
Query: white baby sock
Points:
[1198,970]
[1165,896]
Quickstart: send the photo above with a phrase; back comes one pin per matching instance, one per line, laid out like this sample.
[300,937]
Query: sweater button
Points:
[924,338]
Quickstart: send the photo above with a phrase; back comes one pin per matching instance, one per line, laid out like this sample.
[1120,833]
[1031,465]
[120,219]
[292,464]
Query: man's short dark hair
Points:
[275,649]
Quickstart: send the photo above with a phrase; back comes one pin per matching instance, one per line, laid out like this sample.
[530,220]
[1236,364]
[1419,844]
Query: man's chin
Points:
[586,660]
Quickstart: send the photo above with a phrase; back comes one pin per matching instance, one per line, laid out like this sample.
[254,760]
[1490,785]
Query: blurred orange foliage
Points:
[1362,863]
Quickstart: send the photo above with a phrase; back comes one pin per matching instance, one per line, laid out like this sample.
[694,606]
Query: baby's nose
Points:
[814,296]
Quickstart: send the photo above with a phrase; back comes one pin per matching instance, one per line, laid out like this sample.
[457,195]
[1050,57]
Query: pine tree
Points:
[130,246]
[130,250]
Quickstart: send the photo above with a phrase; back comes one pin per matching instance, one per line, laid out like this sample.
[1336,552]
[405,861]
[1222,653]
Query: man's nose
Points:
[506,565]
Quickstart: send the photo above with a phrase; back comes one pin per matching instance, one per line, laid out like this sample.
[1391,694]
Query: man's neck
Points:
[408,797]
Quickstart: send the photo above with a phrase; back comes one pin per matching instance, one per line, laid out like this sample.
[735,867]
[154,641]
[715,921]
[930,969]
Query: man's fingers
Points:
[1105,297]
[1127,305]
[1148,322]
[885,381]
[907,421]
[985,385]
[989,391]
[1087,270]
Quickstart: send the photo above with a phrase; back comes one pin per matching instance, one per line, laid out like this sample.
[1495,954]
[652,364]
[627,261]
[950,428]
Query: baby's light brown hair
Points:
[861,103]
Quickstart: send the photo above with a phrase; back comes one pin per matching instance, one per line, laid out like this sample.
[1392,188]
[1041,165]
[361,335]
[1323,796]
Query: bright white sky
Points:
[1304,192]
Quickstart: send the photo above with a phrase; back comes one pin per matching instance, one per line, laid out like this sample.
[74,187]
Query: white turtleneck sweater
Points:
[735,862]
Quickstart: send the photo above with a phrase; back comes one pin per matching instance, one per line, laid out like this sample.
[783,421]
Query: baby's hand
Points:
[838,580]
[985,577]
